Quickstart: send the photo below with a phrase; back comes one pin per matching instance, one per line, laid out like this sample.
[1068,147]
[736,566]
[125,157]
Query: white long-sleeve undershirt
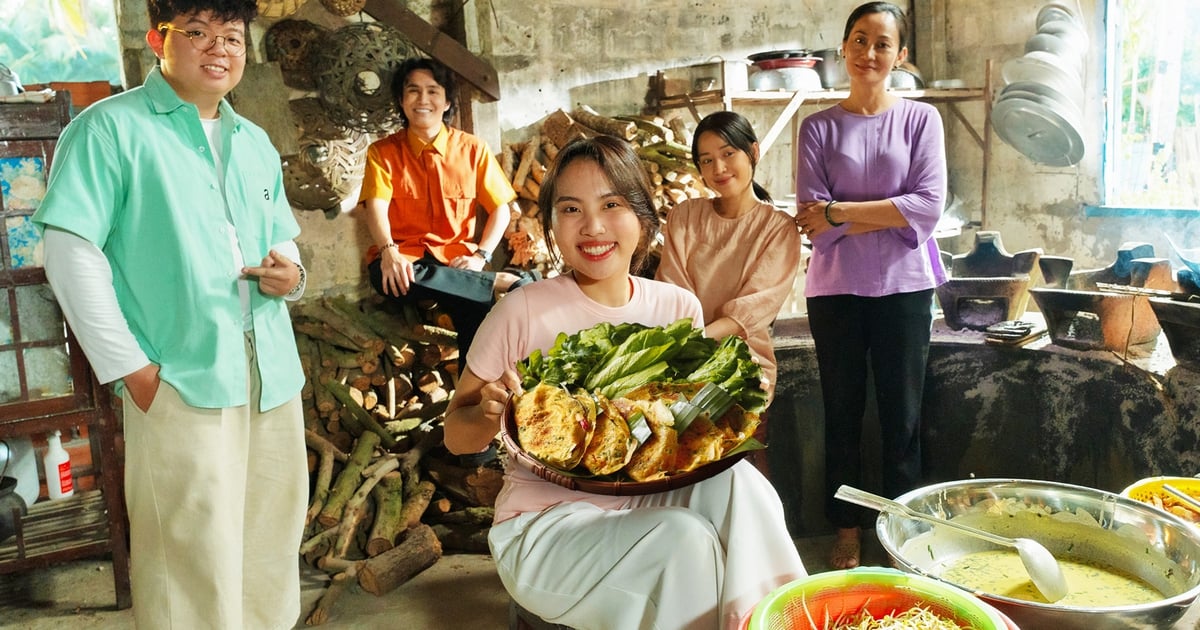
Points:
[82,280]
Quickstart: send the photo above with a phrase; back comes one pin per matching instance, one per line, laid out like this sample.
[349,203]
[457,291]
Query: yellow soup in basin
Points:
[1000,572]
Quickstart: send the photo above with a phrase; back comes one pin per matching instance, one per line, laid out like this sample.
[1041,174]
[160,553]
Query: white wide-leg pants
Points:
[698,558]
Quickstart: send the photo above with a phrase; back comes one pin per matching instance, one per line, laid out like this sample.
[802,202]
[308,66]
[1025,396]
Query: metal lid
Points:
[1045,134]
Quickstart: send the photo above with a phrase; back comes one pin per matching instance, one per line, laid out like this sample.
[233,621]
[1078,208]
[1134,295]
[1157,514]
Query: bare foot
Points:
[846,548]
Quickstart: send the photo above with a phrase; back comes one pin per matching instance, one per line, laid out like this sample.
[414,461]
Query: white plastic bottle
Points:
[59,483]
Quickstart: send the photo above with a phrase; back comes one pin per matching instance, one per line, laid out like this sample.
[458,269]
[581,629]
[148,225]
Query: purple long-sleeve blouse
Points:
[899,155]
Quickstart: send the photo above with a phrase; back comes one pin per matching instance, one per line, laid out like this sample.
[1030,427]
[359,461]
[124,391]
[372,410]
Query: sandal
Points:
[845,553]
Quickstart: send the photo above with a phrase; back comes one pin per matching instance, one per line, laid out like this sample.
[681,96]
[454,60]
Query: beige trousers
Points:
[216,501]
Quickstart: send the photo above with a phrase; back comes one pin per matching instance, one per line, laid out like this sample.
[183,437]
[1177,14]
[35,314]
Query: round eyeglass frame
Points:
[198,36]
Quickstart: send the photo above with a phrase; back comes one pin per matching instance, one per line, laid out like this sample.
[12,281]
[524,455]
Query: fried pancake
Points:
[670,392]
[737,426]
[701,443]
[553,426]
[611,445]
[655,458]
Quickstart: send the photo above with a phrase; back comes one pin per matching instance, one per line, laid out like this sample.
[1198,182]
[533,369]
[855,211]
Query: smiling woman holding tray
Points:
[694,557]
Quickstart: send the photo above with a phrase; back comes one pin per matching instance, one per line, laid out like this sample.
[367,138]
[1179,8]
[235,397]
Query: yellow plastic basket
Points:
[1150,491]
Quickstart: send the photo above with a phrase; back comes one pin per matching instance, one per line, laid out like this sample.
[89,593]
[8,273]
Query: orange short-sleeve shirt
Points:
[433,188]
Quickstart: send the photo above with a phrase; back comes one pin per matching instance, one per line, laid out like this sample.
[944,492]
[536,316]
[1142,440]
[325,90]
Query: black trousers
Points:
[465,295]
[891,334]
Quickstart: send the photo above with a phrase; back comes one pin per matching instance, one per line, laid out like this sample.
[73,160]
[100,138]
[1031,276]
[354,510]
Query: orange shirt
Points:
[433,188]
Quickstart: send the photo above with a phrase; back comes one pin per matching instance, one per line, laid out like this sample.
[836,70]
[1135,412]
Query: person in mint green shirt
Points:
[169,244]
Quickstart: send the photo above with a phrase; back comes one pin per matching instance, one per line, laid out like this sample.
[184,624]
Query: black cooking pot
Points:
[11,504]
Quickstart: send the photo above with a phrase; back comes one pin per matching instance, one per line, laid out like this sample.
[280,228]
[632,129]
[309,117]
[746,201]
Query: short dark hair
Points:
[734,129]
[441,74]
[228,10]
[879,7]
[620,163]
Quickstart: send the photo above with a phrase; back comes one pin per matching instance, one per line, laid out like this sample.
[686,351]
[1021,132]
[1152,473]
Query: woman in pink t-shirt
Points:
[696,557]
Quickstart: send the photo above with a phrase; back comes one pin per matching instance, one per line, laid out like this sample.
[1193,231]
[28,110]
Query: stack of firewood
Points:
[660,144]
[386,497]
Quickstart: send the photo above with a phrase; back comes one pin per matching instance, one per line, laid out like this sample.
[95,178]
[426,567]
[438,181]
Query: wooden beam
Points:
[438,45]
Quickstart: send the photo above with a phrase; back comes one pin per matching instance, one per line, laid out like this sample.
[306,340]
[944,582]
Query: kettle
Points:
[12,506]
[10,85]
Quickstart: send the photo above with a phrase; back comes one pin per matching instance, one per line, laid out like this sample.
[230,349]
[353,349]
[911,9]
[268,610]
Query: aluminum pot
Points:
[832,68]
[1073,522]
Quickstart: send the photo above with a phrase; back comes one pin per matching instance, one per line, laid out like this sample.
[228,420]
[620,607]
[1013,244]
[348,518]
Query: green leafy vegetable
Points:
[615,359]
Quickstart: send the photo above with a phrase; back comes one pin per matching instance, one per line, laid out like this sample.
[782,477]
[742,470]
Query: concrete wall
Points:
[554,54]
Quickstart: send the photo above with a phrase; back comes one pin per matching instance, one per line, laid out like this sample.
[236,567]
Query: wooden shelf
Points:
[829,97]
[89,523]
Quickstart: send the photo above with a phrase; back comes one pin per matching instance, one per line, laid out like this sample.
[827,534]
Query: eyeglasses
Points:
[203,40]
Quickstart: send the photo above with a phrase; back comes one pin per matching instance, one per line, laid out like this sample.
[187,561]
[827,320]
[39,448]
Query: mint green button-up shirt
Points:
[134,175]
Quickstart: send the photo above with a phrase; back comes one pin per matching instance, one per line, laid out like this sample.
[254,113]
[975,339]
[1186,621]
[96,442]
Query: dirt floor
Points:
[459,591]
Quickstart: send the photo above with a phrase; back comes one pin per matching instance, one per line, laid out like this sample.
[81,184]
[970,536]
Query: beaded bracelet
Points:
[829,218]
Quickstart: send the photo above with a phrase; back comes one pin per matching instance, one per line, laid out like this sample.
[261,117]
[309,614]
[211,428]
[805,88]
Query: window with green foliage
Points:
[1152,149]
[60,40]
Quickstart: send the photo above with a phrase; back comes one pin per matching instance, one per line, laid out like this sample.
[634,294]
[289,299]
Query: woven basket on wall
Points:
[278,8]
[293,43]
[329,165]
[344,8]
[353,72]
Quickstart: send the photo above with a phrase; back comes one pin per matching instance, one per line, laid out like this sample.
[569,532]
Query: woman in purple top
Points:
[870,187]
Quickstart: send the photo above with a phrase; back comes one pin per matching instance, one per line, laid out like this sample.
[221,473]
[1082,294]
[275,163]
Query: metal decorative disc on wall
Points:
[293,43]
[329,165]
[353,72]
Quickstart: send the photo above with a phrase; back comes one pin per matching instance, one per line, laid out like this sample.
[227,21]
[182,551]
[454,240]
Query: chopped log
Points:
[318,542]
[321,331]
[537,172]
[402,426]
[415,504]
[679,126]
[397,333]
[333,565]
[429,381]
[430,356]
[507,162]
[592,119]
[527,158]
[348,321]
[370,399]
[356,508]
[560,129]
[337,586]
[328,454]
[326,403]
[389,504]
[348,480]
[360,415]
[476,515]
[357,395]
[410,460]
[353,377]
[549,149]
[307,349]
[468,538]
[402,356]
[649,129]
[338,357]
[422,410]
[473,486]
[533,188]
[418,551]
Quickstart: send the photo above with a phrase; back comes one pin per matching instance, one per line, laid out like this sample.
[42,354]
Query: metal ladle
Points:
[1043,569]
